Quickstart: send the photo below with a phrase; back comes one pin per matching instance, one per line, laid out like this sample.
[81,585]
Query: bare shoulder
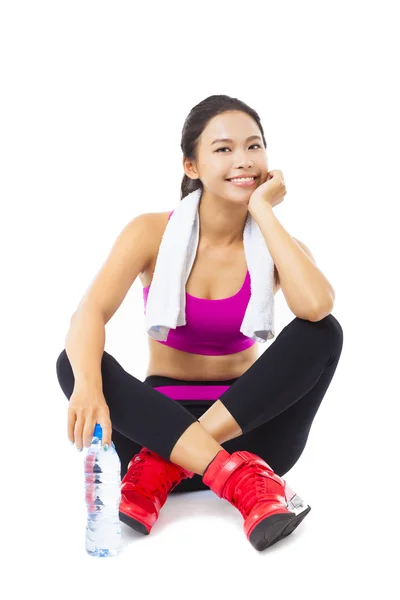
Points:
[163,217]
[146,230]
[156,223]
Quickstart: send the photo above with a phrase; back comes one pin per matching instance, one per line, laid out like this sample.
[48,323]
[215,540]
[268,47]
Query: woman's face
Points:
[222,160]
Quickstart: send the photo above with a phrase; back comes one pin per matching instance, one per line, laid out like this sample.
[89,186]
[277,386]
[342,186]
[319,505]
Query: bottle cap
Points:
[98,431]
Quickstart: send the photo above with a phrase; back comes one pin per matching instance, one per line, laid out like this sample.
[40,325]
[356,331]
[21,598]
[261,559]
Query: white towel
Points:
[166,302]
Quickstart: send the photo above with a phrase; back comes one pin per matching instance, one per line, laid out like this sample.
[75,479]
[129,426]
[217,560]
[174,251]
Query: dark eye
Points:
[226,148]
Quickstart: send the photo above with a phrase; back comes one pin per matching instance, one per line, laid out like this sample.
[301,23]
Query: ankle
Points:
[217,454]
[203,473]
[194,449]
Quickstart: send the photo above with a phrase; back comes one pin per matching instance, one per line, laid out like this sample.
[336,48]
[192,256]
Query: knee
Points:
[332,332]
[334,327]
[327,332]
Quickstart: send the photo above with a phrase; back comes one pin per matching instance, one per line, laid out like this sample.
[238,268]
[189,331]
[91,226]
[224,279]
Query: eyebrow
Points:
[252,137]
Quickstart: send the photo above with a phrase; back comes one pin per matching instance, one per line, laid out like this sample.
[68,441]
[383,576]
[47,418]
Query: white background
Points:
[93,100]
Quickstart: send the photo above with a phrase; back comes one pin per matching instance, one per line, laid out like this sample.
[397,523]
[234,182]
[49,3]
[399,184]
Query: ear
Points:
[190,168]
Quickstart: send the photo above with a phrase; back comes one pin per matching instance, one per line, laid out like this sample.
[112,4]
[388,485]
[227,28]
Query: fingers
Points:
[88,430]
[79,426]
[71,425]
[107,430]
[82,422]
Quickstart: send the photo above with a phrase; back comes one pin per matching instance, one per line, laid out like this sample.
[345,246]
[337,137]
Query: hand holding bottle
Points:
[87,406]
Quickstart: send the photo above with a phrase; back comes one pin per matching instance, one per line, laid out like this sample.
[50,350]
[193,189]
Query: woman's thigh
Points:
[300,360]
[127,449]
[137,411]
[280,441]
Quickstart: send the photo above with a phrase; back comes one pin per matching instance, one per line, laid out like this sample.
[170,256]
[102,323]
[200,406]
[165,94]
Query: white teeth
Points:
[243,179]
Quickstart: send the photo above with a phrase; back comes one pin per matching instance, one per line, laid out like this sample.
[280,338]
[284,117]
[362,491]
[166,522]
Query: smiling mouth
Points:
[243,182]
[241,179]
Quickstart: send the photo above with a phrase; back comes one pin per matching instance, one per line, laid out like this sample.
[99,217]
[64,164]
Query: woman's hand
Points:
[271,192]
[87,406]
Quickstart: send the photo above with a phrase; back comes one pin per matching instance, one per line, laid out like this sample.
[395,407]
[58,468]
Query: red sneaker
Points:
[145,488]
[296,505]
[271,509]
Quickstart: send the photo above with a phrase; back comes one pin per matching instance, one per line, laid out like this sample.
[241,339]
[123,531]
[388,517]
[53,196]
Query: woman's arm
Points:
[308,293]
[84,345]
[129,256]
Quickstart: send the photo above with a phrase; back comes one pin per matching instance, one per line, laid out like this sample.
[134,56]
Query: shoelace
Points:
[255,478]
[157,485]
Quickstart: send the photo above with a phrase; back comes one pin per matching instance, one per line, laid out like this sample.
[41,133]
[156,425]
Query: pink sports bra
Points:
[212,326]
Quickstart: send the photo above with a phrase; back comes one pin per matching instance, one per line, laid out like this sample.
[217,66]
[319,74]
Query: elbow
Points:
[321,311]
[315,310]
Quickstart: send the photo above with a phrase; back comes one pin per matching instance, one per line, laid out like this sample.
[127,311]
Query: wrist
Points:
[260,206]
[89,381]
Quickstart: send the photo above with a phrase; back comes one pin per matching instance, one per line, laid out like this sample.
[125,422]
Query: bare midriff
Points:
[170,362]
[216,273]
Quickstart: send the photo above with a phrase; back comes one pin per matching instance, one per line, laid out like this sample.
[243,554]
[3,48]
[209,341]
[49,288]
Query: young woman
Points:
[210,413]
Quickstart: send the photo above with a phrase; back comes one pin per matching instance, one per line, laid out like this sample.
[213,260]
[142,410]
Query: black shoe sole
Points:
[275,528]
[136,525]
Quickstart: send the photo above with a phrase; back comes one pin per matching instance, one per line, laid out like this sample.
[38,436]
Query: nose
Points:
[245,161]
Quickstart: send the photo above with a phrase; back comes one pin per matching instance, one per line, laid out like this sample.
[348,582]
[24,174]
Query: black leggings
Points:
[274,401]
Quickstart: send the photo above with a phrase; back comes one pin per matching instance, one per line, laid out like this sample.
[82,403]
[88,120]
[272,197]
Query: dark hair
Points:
[197,120]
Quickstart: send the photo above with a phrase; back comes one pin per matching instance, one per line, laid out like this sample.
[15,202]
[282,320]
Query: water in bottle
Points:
[103,497]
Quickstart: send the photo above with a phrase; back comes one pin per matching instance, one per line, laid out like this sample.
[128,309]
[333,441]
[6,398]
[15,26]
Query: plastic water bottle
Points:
[103,497]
